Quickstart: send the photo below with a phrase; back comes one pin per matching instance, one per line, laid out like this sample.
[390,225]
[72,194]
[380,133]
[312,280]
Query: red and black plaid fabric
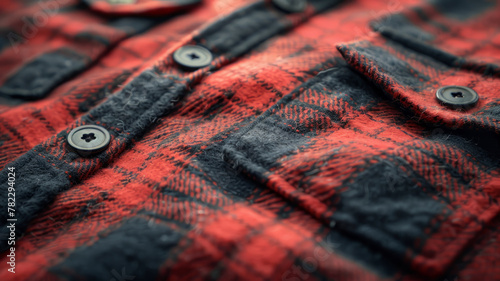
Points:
[311,148]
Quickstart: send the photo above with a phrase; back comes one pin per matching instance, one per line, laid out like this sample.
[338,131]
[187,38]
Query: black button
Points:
[291,6]
[88,139]
[193,56]
[457,96]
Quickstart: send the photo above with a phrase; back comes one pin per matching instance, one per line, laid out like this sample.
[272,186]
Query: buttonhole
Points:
[88,137]
[457,94]
[193,56]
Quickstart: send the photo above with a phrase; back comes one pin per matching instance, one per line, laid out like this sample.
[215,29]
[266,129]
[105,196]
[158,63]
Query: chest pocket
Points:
[349,149]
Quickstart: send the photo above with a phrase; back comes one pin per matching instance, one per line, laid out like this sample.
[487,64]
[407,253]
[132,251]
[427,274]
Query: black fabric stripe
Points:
[35,79]
[4,39]
[135,25]
[462,10]
[139,248]
[247,27]
[399,29]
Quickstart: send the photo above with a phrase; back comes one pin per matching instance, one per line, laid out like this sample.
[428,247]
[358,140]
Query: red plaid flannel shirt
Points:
[312,147]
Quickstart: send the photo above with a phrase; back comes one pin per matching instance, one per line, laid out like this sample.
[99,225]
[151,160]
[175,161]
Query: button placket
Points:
[157,92]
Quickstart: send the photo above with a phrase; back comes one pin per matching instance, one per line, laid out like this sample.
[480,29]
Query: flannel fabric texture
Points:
[311,148]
